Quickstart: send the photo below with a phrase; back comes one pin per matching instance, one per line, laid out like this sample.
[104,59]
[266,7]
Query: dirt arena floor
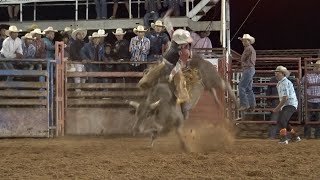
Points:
[218,157]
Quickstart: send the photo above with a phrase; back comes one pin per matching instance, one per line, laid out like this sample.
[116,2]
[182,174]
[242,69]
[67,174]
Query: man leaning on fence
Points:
[11,48]
[248,61]
[313,89]
[287,106]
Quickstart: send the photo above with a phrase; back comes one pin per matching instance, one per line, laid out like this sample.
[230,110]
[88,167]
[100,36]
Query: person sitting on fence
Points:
[173,6]
[13,10]
[11,48]
[201,41]
[152,8]
[248,61]
[48,43]
[115,8]
[287,106]
[78,36]
[121,52]
[159,41]
[92,51]
[101,9]
[313,103]
[3,35]
[29,50]
[139,48]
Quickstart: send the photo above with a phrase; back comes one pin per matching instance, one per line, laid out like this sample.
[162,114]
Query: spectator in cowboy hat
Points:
[313,89]
[38,43]
[248,61]
[11,48]
[287,106]
[152,8]
[48,42]
[67,32]
[158,41]
[103,34]
[29,50]
[3,35]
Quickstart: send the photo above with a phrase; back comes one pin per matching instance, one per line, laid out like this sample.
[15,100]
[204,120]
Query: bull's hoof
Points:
[185,148]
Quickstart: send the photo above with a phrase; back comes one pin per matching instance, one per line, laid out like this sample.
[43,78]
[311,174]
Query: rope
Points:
[245,20]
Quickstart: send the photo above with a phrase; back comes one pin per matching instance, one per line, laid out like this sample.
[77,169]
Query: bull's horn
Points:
[134,104]
[155,104]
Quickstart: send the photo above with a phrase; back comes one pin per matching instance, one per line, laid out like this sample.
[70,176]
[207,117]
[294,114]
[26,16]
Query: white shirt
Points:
[10,47]
[199,42]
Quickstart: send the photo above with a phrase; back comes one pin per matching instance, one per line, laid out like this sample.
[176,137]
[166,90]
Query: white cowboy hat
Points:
[119,31]
[247,36]
[49,29]
[140,28]
[102,33]
[157,23]
[282,69]
[181,36]
[67,29]
[76,31]
[12,29]
[36,31]
[317,63]
[95,35]
[28,36]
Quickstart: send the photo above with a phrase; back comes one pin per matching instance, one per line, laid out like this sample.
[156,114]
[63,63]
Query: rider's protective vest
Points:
[172,54]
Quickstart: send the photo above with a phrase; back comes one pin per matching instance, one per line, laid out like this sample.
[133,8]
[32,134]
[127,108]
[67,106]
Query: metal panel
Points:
[105,94]
[104,74]
[23,122]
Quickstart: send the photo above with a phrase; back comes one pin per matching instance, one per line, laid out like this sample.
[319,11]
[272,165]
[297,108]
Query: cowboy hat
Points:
[317,63]
[32,27]
[49,29]
[95,35]
[157,23]
[12,29]
[102,33]
[76,31]
[119,31]
[140,28]
[283,70]
[67,29]
[247,36]
[28,36]
[181,36]
[36,31]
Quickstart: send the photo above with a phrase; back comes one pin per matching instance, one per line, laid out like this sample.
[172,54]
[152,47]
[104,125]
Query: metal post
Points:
[87,9]
[48,96]
[228,26]
[34,11]
[223,23]
[139,8]
[76,11]
[20,12]
[187,8]
[130,9]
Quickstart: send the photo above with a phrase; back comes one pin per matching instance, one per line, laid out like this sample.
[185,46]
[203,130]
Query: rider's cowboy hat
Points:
[282,69]
[157,23]
[12,29]
[36,31]
[140,28]
[119,31]
[49,29]
[247,36]
[181,36]
[28,36]
[76,31]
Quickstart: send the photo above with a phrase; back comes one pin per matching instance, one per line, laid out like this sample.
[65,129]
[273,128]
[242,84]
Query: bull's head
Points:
[144,113]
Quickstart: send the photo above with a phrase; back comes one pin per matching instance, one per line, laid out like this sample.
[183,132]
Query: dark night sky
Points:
[276,24]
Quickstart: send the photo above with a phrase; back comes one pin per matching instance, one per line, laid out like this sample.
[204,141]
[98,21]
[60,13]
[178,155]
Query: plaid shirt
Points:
[312,90]
[139,49]
[285,88]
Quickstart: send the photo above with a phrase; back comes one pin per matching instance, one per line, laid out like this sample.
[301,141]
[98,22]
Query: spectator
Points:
[101,9]
[11,48]
[139,48]
[103,34]
[173,6]
[152,8]
[92,51]
[13,11]
[158,41]
[78,36]
[65,39]
[121,52]
[3,35]
[287,106]
[313,103]
[29,50]
[48,42]
[32,27]
[201,41]
[67,32]
[108,57]
[248,61]
[115,8]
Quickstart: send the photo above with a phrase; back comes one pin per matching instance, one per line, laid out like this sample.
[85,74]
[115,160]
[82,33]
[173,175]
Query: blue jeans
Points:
[312,116]
[101,8]
[246,94]
[150,16]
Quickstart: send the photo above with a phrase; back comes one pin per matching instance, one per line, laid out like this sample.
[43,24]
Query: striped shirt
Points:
[139,49]
[312,90]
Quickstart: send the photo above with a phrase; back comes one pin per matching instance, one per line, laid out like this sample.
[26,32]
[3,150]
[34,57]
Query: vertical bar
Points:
[76,11]
[223,22]
[130,10]
[139,8]
[20,12]
[228,27]
[51,94]
[87,9]
[187,8]
[34,11]
[48,96]
[299,91]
